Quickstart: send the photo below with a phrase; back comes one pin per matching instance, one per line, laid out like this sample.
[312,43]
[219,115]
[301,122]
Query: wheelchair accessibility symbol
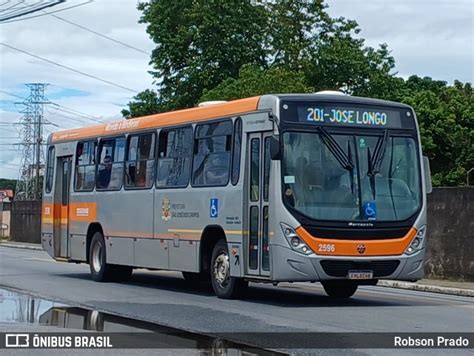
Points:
[214,208]
[370,210]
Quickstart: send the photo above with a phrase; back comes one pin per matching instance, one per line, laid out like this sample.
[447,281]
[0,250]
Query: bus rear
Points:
[349,200]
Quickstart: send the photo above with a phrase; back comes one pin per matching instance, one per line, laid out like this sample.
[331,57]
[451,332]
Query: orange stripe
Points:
[161,120]
[349,247]
[82,211]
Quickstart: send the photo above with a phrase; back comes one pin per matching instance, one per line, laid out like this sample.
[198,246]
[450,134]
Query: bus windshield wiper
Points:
[345,160]
[375,161]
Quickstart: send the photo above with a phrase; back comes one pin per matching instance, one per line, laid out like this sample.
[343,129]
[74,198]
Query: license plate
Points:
[360,274]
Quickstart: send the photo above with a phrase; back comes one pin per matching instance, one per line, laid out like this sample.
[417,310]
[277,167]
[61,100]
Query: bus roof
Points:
[186,116]
[349,99]
[171,118]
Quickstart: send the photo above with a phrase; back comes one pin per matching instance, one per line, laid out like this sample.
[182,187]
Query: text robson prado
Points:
[439,341]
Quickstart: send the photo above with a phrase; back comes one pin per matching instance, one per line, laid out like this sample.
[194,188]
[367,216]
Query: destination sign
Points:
[345,115]
[348,116]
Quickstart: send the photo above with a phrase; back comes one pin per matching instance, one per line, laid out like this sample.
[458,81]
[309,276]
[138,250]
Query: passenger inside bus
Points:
[103,178]
[300,169]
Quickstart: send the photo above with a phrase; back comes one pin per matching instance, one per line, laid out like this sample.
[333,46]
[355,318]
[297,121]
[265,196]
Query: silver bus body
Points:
[171,228]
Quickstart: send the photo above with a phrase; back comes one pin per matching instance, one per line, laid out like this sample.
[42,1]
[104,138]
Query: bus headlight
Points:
[294,241]
[417,242]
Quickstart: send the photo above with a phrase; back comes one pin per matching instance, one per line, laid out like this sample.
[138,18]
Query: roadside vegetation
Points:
[224,50]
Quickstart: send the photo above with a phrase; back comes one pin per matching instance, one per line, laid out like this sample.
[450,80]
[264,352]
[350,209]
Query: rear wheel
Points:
[100,270]
[339,288]
[224,285]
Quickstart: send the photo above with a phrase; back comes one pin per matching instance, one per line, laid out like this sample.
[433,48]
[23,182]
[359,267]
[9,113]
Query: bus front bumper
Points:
[292,266]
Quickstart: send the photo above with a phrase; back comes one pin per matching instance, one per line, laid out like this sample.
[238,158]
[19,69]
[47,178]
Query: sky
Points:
[427,37]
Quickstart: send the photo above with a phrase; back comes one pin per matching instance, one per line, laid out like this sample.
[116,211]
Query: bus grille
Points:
[341,268]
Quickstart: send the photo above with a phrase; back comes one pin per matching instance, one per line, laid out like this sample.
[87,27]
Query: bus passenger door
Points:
[258,176]
[61,207]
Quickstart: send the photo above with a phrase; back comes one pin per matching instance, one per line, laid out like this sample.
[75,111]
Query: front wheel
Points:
[100,270]
[225,286]
[339,288]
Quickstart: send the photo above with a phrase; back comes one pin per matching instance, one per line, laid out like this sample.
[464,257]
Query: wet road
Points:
[165,298]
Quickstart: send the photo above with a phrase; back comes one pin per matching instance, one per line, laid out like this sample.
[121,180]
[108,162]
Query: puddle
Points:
[22,308]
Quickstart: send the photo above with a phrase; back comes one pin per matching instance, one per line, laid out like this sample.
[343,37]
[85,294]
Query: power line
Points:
[52,12]
[73,111]
[74,117]
[82,122]
[98,34]
[4,129]
[76,112]
[69,68]
[54,124]
[11,94]
[22,8]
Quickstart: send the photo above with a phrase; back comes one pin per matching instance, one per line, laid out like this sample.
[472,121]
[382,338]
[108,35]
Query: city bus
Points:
[321,187]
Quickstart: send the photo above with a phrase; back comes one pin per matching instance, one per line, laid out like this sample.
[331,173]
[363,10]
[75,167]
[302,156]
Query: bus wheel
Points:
[100,270]
[339,289]
[224,285]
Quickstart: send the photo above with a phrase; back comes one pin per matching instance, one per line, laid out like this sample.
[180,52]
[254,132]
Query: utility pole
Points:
[32,161]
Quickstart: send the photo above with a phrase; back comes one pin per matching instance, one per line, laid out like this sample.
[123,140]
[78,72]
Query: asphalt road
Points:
[165,298]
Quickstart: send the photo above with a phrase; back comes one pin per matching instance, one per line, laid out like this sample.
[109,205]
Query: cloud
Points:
[427,38]
[66,44]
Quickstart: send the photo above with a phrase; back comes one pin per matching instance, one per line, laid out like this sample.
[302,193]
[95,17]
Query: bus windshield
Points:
[351,177]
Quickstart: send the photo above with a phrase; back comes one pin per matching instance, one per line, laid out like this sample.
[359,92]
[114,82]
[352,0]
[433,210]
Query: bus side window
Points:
[85,166]
[140,164]
[110,167]
[174,157]
[212,147]
[50,169]
[254,169]
[236,149]
[266,169]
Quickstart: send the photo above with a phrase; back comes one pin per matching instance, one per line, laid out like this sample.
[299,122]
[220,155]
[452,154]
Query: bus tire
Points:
[339,288]
[225,286]
[100,270]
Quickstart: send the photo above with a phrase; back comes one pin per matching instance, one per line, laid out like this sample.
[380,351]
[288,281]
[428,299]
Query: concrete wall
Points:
[451,234]
[5,224]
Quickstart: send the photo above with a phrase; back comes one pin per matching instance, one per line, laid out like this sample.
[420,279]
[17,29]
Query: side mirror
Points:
[426,168]
[275,151]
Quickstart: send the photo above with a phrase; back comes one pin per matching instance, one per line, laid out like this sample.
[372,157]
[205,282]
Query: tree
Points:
[208,50]
[201,44]
[254,81]
[446,119]
[328,50]
[145,103]
[8,184]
